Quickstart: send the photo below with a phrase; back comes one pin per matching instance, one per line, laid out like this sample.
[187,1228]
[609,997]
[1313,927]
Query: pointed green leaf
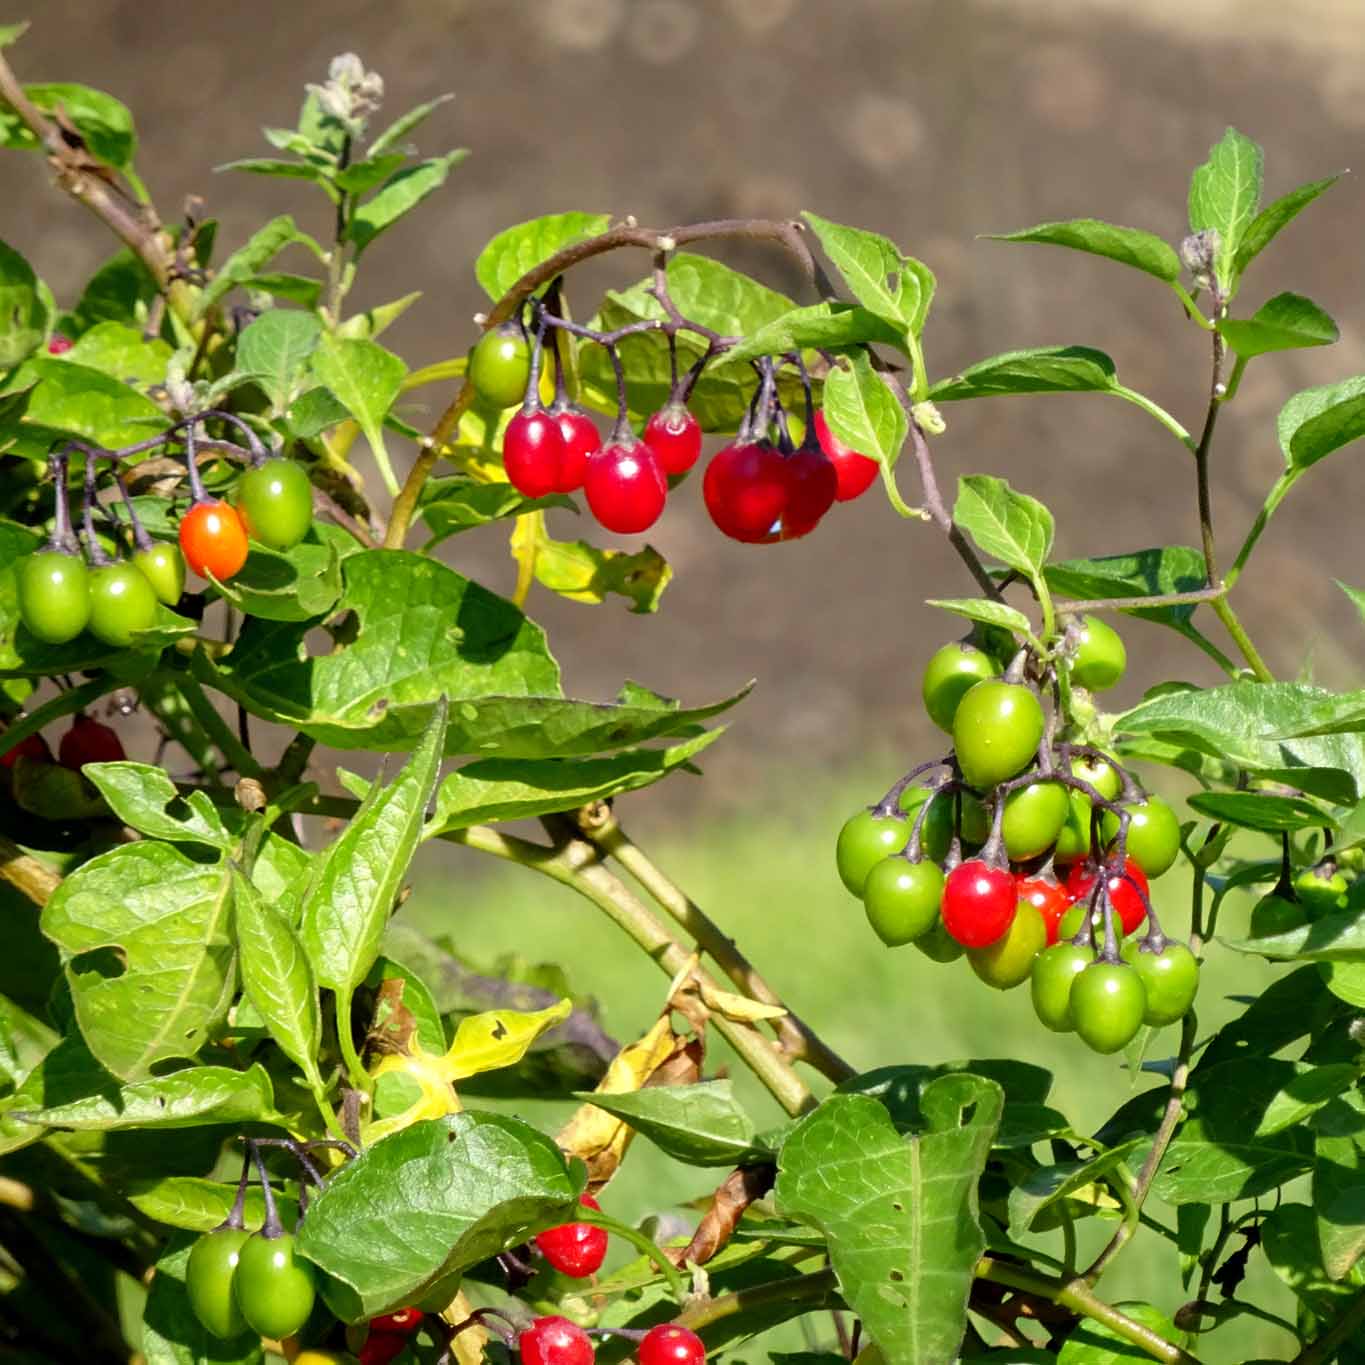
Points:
[1225,193]
[1261,810]
[1290,1244]
[22,306]
[1355,594]
[104,123]
[406,123]
[1339,1183]
[274,350]
[710,293]
[871,266]
[263,246]
[282,170]
[400,194]
[200,1205]
[1046,369]
[1315,422]
[1012,527]
[362,176]
[1286,322]
[1275,217]
[863,413]
[521,248]
[982,609]
[146,800]
[122,352]
[827,326]
[1336,937]
[90,404]
[1143,251]
[1045,1187]
[1139,573]
[365,378]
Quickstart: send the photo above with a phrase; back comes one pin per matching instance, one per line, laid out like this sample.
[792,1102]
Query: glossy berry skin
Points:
[122,603]
[936,833]
[1101,659]
[978,903]
[1322,890]
[1033,819]
[555,1341]
[275,500]
[500,366]
[668,1344]
[1276,914]
[533,451]
[54,595]
[163,567]
[581,439]
[902,899]
[996,732]
[34,747]
[575,1249]
[864,841]
[1074,840]
[274,1288]
[811,485]
[57,344]
[1170,978]
[950,673]
[1107,1004]
[213,540]
[1054,973]
[381,1347]
[89,741]
[1008,962]
[674,435]
[745,490]
[625,487]
[1128,904]
[1048,898]
[1153,834]
[210,1273]
[404,1321]
[855,472]
[938,945]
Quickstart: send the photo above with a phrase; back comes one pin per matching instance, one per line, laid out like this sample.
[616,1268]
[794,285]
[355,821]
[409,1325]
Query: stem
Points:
[1201,455]
[1155,410]
[1234,627]
[360,1078]
[217,729]
[1282,485]
[1341,1331]
[816,1290]
[1163,599]
[596,1218]
[405,504]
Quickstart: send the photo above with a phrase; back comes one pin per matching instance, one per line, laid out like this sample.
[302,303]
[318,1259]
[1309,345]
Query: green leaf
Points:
[710,293]
[121,290]
[313,412]
[1275,217]
[199,1205]
[105,125]
[1339,1183]
[1139,573]
[362,176]
[122,352]
[277,977]
[184,1099]
[1291,1008]
[586,573]
[406,123]
[495,789]
[1225,193]
[274,351]
[863,413]
[699,1125]
[1045,369]
[171,1332]
[1285,323]
[1355,594]
[280,170]
[145,799]
[871,266]
[1075,1183]
[300,289]
[354,887]
[982,609]
[1315,422]
[827,326]
[1013,527]
[22,306]
[380,318]
[400,194]
[143,936]
[260,248]
[1339,936]
[456,504]
[1261,810]
[298,584]
[417,1006]
[1091,1343]
[521,248]
[429,1201]
[1129,246]
[90,404]
[899,1212]
[11,33]
[365,378]
[1289,1241]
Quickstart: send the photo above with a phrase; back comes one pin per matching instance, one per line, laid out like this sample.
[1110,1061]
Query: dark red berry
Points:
[811,488]
[745,490]
[381,1347]
[532,451]
[1048,897]
[978,903]
[674,435]
[555,1341]
[575,1249]
[34,746]
[1128,903]
[668,1344]
[856,472]
[88,741]
[580,440]
[405,1321]
[625,486]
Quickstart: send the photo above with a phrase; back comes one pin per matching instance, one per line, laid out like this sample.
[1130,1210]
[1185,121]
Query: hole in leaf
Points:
[109,963]
[968,1114]
[893,282]
[897,1276]
[898,1206]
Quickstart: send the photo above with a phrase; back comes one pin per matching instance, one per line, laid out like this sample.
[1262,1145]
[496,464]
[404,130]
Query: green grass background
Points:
[763,867]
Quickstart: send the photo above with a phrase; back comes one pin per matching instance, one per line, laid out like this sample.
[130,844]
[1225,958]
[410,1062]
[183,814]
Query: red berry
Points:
[381,1347]
[580,440]
[668,1344]
[811,488]
[674,435]
[575,1249]
[1048,897]
[625,486]
[87,741]
[745,490]
[57,344]
[213,539]
[1127,902]
[555,1341]
[532,451]
[35,746]
[856,472]
[402,1320]
[978,903]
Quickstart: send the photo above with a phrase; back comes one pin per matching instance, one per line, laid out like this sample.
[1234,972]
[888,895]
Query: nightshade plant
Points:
[227,986]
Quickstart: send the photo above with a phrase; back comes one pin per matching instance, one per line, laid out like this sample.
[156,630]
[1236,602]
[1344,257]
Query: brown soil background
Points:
[930,120]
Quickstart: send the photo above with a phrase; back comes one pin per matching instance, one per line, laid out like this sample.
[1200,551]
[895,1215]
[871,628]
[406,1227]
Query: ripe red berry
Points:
[1127,902]
[555,1341]
[668,1344]
[575,1249]
[978,903]
[674,435]
[745,490]
[1048,897]
[34,746]
[580,440]
[88,741]
[811,488]
[625,486]
[57,344]
[213,539]
[532,452]
[405,1321]
[381,1347]
[856,472]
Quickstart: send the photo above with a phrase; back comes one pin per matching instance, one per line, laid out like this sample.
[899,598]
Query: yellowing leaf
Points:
[497,1038]
[737,1007]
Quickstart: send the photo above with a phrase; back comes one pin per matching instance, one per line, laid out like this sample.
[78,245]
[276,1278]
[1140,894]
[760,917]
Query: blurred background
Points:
[931,121]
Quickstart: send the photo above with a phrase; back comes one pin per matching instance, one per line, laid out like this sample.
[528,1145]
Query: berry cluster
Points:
[557,1341]
[761,487]
[1030,855]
